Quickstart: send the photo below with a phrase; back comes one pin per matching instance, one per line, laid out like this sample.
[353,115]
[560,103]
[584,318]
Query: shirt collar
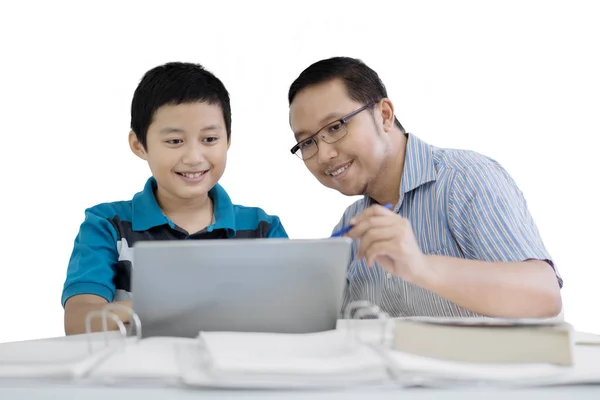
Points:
[224,213]
[419,167]
[147,213]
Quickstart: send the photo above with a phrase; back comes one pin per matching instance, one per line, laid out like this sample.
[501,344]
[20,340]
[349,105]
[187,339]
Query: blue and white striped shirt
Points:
[460,204]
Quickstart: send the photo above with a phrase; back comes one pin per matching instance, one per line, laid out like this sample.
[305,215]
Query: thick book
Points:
[482,340]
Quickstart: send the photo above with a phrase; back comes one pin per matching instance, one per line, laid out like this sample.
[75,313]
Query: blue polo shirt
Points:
[102,256]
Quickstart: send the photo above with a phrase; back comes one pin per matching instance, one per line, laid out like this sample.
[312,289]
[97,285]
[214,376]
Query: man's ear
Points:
[228,143]
[136,147]
[387,114]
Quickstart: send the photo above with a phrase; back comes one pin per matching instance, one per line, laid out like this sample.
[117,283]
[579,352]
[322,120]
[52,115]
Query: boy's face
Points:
[186,149]
[359,155]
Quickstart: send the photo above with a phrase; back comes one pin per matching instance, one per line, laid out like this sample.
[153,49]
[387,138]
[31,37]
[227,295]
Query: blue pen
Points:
[345,230]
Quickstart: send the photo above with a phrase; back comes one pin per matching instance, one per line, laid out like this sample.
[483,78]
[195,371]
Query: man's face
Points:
[351,164]
[186,149]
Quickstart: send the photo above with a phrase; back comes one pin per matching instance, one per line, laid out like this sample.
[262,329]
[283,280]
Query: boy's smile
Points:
[192,176]
[186,150]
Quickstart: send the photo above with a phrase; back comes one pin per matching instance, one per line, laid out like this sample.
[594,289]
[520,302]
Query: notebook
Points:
[150,362]
[54,358]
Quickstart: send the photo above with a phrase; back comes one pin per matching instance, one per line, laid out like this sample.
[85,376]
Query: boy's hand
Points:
[78,307]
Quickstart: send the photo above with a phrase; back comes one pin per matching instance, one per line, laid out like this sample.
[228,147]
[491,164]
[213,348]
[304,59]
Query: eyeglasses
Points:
[330,133]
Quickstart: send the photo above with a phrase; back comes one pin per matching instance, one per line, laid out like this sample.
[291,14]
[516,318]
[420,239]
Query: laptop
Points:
[180,288]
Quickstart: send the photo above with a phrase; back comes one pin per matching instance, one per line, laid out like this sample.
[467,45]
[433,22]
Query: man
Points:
[458,239]
[181,126]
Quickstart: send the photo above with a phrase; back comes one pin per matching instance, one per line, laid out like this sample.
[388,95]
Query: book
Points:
[483,340]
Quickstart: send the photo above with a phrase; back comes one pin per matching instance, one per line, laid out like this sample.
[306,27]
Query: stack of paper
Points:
[414,370]
[270,360]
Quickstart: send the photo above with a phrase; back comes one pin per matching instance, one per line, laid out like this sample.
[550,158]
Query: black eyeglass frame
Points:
[342,121]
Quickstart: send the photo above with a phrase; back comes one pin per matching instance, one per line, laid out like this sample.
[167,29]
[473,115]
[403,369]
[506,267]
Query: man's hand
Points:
[523,289]
[388,238]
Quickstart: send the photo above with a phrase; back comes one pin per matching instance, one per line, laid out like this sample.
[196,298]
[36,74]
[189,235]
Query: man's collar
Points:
[419,167]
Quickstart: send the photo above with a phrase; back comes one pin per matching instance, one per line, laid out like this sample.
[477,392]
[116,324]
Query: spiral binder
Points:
[134,323]
[360,309]
[69,358]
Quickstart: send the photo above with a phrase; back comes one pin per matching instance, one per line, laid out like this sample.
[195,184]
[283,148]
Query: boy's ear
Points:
[136,147]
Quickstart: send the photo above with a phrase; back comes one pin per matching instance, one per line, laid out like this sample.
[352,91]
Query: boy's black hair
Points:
[172,84]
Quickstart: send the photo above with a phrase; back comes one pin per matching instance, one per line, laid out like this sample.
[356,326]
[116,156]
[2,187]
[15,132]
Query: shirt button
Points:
[389,275]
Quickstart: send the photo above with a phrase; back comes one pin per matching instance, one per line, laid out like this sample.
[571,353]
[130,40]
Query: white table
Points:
[104,393]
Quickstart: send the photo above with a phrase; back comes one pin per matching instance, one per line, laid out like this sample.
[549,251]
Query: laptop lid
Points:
[255,285]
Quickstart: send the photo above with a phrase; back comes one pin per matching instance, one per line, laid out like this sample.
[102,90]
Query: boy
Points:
[181,126]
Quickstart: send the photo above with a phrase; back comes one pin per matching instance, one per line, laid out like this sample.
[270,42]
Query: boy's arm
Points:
[79,306]
[89,283]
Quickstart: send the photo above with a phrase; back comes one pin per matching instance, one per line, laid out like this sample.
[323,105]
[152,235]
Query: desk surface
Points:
[46,390]
[103,393]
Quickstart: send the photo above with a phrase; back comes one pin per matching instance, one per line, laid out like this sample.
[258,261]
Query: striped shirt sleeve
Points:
[489,218]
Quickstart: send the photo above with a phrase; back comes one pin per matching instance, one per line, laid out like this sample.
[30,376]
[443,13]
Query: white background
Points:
[515,80]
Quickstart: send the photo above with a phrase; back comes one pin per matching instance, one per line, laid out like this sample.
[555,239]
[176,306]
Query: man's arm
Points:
[78,307]
[527,289]
[508,271]
[505,272]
